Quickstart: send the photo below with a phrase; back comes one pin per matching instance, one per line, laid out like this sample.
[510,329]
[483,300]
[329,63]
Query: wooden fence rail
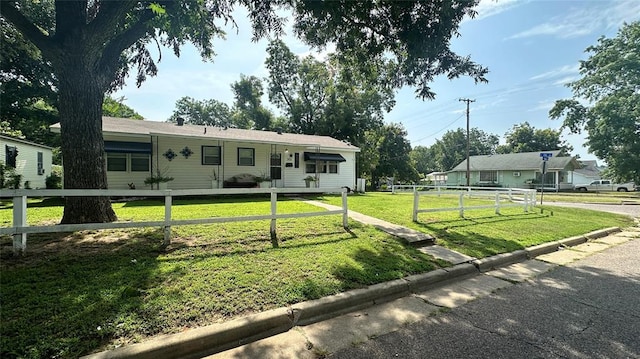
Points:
[526,196]
[20,229]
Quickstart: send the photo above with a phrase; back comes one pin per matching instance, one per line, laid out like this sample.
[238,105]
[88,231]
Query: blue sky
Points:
[532,48]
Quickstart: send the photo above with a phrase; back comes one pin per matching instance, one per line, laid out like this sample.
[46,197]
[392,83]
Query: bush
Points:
[53,181]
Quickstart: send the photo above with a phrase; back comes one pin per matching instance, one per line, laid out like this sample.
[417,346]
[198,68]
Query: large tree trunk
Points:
[81,98]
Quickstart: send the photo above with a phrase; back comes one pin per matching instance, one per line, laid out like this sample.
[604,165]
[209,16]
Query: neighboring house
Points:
[588,173]
[195,155]
[436,178]
[30,160]
[519,170]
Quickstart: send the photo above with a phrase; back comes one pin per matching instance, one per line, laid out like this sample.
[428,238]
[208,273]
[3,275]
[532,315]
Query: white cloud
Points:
[580,21]
[564,71]
[488,8]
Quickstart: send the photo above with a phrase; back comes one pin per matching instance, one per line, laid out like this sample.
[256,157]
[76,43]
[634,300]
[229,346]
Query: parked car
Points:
[605,185]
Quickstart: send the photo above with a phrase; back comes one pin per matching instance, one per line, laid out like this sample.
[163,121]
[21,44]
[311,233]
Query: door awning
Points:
[316,156]
[127,147]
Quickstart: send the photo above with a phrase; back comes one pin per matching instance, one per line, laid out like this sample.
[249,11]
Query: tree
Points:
[525,138]
[92,46]
[205,112]
[248,111]
[610,84]
[116,108]
[424,159]
[393,159]
[451,149]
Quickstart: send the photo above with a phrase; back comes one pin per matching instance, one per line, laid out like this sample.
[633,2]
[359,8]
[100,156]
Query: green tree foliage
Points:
[610,84]
[202,112]
[389,151]
[424,159]
[92,45]
[116,108]
[526,138]
[451,149]
[248,111]
[326,98]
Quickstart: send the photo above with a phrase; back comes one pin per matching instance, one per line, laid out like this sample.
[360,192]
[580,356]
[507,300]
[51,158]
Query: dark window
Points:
[296,160]
[11,152]
[488,176]
[333,167]
[139,163]
[117,162]
[246,156]
[276,166]
[40,159]
[211,155]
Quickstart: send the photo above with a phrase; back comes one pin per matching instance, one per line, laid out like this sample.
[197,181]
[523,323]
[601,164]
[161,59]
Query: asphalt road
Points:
[630,210]
[588,309]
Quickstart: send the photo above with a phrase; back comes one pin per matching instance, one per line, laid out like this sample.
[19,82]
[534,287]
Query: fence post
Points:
[497,202]
[439,191]
[274,201]
[393,189]
[461,202]
[167,218]
[510,195]
[345,210]
[526,201]
[19,220]
[416,202]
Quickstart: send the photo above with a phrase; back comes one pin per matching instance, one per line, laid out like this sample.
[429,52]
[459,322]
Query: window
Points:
[139,163]
[246,156]
[117,162]
[488,176]
[276,166]
[322,166]
[211,155]
[40,159]
[11,152]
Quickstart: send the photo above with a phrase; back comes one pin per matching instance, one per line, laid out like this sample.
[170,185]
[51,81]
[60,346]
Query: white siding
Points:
[190,173]
[27,161]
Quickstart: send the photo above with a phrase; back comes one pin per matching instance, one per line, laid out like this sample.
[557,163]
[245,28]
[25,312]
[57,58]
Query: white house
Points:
[30,160]
[196,155]
[588,173]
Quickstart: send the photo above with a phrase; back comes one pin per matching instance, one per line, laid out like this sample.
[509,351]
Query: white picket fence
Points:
[514,197]
[20,229]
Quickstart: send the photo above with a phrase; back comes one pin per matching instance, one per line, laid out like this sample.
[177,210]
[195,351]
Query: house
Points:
[518,170]
[30,160]
[588,173]
[199,157]
[436,178]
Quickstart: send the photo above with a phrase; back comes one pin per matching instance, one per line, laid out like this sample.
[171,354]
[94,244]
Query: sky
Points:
[532,49]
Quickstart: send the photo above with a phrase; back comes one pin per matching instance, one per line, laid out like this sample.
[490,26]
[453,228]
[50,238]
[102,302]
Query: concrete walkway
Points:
[425,242]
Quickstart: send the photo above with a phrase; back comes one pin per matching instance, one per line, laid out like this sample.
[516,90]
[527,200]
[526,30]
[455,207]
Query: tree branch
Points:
[107,18]
[28,29]
[70,15]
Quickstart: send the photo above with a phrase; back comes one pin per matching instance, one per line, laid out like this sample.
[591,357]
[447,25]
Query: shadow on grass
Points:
[471,221]
[69,303]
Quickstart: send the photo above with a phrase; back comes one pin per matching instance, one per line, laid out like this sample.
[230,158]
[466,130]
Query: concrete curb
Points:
[216,338]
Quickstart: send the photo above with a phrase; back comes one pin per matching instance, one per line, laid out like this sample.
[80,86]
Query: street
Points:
[586,309]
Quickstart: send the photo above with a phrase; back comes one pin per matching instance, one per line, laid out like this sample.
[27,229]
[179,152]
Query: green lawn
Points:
[73,294]
[590,197]
[482,233]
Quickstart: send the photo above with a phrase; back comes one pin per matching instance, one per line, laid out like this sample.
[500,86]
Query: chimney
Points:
[279,130]
[180,121]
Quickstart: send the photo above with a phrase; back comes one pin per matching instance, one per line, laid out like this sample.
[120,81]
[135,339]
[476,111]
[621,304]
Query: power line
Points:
[440,130]
[468,101]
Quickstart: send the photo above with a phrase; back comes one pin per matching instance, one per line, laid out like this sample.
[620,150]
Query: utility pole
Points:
[468,101]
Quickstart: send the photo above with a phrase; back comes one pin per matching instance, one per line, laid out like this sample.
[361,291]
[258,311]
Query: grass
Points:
[482,233]
[590,197]
[73,294]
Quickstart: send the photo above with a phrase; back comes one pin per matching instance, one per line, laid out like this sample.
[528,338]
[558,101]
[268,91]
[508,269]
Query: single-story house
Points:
[517,170]
[436,178]
[199,157]
[30,160]
[588,173]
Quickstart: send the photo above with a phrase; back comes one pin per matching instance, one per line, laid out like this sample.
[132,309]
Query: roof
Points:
[123,126]
[516,162]
[19,140]
[589,169]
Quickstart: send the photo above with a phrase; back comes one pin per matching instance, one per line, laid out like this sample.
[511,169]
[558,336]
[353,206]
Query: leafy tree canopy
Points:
[451,149]
[116,108]
[389,151]
[606,102]
[202,112]
[526,138]
[92,46]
